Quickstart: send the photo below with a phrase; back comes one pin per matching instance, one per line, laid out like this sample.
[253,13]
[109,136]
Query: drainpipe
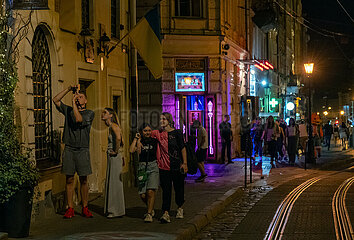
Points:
[133,72]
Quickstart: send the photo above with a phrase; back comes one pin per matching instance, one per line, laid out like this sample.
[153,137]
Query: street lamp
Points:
[342,112]
[309,155]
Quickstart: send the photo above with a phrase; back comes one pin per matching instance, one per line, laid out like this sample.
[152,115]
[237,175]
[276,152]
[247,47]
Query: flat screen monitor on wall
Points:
[189,82]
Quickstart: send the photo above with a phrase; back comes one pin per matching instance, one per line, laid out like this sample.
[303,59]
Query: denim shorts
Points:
[152,181]
[76,160]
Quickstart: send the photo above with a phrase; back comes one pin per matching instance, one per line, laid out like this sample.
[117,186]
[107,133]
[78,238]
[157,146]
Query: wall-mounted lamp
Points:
[103,46]
[124,48]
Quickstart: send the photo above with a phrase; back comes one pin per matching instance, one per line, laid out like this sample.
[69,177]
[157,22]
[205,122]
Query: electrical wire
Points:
[329,33]
[321,33]
[345,11]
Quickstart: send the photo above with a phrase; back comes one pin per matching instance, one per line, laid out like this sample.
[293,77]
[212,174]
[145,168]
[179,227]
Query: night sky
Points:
[331,54]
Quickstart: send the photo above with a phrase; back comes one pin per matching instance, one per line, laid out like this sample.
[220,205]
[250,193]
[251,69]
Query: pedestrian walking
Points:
[328,131]
[303,136]
[335,134]
[270,136]
[76,137]
[148,171]
[226,138]
[292,136]
[202,144]
[343,135]
[317,134]
[256,135]
[172,162]
[114,205]
[280,140]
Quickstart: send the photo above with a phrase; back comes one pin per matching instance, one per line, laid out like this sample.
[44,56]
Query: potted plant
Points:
[18,175]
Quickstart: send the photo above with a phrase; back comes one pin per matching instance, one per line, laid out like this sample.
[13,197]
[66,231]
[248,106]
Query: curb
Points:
[207,214]
[3,236]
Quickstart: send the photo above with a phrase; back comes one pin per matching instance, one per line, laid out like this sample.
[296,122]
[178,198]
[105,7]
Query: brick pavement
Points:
[203,202]
[224,225]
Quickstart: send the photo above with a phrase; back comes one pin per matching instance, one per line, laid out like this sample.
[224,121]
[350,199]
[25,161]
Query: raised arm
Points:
[77,114]
[136,144]
[60,96]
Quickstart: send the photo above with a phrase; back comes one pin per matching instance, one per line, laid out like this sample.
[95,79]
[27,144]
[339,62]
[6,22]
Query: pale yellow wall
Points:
[68,67]
[223,23]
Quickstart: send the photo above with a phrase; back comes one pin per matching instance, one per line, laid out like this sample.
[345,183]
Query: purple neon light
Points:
[177,114]
[210,116]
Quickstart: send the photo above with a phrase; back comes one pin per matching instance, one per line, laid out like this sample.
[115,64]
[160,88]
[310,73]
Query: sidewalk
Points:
[203,202]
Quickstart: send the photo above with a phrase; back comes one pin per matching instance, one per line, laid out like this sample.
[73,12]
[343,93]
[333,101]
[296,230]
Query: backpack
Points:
[191,159]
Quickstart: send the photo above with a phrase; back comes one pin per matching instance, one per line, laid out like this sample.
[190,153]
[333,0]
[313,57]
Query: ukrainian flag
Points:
[147,40]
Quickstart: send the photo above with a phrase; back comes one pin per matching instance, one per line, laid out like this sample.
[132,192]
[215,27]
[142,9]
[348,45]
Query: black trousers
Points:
[226,144]
[167,178]
[272,149]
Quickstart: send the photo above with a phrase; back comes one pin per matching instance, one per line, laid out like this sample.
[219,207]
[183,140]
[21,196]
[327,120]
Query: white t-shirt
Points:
[202,133]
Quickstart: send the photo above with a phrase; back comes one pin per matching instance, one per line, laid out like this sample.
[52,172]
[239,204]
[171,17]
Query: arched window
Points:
[42,95]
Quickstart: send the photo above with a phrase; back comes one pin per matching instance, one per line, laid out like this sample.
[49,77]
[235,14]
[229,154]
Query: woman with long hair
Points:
[114,196]
[292,136]
[270,134]
[148,171]
[172,162]
[343,135]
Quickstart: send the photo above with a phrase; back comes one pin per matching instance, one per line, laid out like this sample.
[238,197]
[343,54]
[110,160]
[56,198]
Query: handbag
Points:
[142,173]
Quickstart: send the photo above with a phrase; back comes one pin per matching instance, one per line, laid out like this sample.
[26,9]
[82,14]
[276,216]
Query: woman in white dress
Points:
[114,196]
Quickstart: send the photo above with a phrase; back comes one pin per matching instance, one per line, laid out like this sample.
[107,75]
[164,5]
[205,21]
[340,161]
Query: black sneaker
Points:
[201,178]
[230,162]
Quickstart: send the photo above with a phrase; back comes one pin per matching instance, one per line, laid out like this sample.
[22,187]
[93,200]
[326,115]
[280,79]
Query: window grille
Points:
[42,95]
[115,18]
[189,8]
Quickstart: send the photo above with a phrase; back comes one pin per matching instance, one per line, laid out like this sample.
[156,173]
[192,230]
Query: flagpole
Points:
[115,45]
[112,48]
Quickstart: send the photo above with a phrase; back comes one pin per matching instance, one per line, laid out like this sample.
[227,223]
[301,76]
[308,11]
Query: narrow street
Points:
[301,208]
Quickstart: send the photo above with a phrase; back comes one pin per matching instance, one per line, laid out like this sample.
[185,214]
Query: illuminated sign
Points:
[273,102]
[189,82]
[290,106]
[252,85]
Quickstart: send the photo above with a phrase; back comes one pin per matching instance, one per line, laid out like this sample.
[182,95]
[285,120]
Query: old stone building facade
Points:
[65,45]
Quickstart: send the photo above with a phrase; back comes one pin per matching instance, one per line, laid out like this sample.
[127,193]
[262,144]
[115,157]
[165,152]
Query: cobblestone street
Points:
[224,224]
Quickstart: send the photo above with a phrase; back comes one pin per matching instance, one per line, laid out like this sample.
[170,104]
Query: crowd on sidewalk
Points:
[164,156]
[285,142]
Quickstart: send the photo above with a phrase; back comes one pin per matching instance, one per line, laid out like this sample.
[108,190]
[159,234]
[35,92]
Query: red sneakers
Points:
[86,212]
[69,213]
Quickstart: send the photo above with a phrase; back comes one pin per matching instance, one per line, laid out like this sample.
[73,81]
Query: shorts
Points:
[152,181]
[76,160]
[201,155]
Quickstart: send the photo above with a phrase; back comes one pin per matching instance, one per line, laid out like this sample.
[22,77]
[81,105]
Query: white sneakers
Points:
[165,218]
[148,218]
[179,214]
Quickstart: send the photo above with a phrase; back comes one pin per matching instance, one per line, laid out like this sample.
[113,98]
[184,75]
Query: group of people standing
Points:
[278,138]
[339,132]
[162,159]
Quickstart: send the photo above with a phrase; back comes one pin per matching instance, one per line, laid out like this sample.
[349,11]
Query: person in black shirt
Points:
[328,131]
[172,162]
[226,138]
[146,146]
